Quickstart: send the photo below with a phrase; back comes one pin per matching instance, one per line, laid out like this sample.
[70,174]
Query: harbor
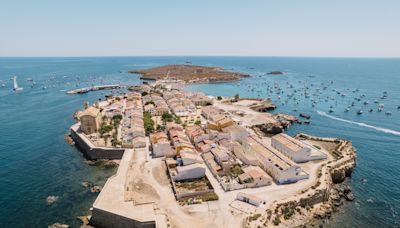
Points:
[95,88]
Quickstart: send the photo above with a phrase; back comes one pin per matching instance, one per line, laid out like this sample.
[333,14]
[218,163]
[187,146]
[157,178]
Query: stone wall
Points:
[92,152]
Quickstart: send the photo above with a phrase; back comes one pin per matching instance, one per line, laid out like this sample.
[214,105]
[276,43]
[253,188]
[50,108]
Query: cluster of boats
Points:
[315,94]
[52,82]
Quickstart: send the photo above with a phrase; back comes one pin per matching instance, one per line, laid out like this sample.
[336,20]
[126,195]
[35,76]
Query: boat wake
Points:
[381,129]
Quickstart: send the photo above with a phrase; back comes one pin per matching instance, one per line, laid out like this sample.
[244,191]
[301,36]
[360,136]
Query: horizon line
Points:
[261,56]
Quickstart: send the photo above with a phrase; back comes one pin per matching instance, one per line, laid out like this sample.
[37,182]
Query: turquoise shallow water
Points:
[36,162]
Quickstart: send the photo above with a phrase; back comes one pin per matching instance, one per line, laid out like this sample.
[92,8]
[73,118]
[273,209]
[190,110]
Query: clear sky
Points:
[347,28]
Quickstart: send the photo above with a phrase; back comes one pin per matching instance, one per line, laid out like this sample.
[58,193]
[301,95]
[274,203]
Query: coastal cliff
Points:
[189,73]
[325,196]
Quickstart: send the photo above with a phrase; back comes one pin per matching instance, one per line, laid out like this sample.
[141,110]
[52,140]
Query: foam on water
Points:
[381,129]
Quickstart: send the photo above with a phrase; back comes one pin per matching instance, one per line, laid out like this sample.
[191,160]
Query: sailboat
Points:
[15,84]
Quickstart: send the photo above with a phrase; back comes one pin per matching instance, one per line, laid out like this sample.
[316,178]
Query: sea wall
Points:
[105,219]
[89,150]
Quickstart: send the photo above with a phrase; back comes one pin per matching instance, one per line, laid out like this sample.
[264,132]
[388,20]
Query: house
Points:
[139,142]
[250,199]
[220,154]
[188,172]
[173,126]
[161,110]
[150,108]
[162,149]
[257,175]
[203,147]
[196,134]
[209,111]
[179,110]
[90,120]
[218,122]
[161,145]
[225,122]
[236,132]
[137,131]
[189,157]
[247,157]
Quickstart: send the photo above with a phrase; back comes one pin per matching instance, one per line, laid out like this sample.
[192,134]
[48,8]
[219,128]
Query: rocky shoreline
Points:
[317,204]
[283,121]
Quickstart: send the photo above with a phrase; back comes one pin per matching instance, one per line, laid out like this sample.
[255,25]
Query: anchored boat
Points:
[15,84]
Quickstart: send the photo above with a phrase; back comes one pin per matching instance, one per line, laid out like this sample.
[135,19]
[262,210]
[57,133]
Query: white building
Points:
[236,132]
[162,149]
[193,171]
[250,199]
[294,149]
[139,142]
[280,168]
[189,157]
[258,176]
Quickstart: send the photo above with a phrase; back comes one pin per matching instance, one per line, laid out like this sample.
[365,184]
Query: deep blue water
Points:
[36,162]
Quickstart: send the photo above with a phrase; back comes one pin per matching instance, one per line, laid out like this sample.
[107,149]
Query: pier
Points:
[95,88]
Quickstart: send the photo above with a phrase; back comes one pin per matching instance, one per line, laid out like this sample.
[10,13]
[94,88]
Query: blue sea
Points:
[35,161]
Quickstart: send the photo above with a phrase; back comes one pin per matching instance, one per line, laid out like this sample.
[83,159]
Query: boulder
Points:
[338,176]
[58,225]
[348,171]
[96,189]
[275,72]
[270,128]
[86,184]
[85,221]
[51,199]
[349,196]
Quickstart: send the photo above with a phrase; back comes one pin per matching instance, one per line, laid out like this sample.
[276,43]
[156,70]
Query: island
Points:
[185,156]
[189,73]
[275,72]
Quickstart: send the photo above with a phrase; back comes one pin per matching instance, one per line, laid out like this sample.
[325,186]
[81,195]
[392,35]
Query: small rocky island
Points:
[275,72]
[189,73]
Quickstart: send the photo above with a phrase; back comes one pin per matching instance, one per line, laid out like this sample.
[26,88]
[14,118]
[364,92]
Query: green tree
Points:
[105,128]
[198,122]
[148,123]
[167,117]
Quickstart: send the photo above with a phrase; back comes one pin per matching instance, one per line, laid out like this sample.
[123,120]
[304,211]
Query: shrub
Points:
[178,120]
[105,128]
[148,123]
[276,221]
[254,217]
[167,117]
